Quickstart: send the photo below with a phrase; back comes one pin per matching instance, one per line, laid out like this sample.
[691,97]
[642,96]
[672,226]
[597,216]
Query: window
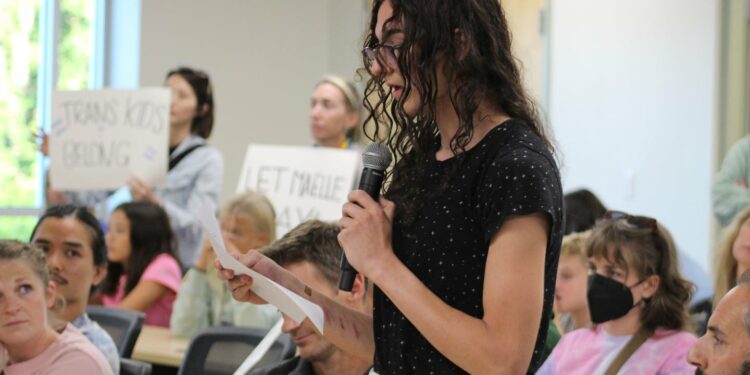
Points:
[31,66]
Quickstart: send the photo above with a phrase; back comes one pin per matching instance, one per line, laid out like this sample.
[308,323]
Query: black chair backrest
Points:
[133,367]
[221,350]
[123,325]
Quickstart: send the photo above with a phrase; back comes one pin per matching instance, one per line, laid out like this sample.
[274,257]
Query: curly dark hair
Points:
[470,39]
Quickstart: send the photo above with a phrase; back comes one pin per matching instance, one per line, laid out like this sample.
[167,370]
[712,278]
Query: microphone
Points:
[375,160]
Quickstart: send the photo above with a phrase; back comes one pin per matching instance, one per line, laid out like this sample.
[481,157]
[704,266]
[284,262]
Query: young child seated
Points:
[143,272]
[249,223]
[28,344]
[571,308]
[638,304]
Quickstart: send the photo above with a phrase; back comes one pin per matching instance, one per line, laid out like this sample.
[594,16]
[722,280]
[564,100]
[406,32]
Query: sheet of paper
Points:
[284,299]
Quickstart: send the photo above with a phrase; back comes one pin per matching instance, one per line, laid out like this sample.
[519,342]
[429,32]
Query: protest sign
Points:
[100,138]
[302,183]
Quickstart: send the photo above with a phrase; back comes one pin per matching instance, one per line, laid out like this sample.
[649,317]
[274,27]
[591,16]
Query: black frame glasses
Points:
[383,53]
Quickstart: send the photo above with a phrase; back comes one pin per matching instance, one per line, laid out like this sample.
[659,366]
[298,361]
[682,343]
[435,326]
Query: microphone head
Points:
[376,156]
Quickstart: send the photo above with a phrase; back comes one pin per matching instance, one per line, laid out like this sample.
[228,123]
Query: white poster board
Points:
[100,138]
[302,183]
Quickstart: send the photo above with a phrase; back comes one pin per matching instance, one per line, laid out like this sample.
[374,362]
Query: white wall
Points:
[632,106]
[263,56]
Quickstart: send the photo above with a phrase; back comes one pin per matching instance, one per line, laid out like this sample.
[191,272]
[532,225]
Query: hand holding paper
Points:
[285,300]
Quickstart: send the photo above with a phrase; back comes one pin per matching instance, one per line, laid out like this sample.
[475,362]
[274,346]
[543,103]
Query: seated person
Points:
[73,243]
[312,253]
[637,300]
[571,307]
[582,209]
[28,344]
[725,348]
[733,254]
[203,300]
[143,272]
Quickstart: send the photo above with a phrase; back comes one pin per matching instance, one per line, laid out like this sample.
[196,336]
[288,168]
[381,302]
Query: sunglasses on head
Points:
[643,222]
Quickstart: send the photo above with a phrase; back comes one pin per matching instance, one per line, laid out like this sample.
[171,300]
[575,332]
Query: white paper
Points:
[302,183]
[284,299]
[257,354]
[100,138]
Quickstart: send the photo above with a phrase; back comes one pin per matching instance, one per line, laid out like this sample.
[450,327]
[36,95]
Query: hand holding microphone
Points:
[375,160]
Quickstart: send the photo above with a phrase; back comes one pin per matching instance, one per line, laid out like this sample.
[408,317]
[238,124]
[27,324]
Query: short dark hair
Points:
[313,241]
[203,122]
[83,215]
[582,209]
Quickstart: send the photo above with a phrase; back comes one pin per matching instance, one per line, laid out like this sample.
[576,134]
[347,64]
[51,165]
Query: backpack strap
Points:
[633,344]
[177,159]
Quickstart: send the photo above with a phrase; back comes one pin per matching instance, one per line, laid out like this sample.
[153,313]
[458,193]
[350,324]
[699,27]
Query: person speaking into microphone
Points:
[463,247]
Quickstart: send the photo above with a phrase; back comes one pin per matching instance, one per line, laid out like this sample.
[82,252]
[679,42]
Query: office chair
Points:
[221,350]
[123,326]
[133,367]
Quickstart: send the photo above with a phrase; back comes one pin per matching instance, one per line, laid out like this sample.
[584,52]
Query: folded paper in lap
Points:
[284,299]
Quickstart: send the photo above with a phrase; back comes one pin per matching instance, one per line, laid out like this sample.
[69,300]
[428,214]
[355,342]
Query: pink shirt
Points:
[591,350]
[71,353]
[164,270]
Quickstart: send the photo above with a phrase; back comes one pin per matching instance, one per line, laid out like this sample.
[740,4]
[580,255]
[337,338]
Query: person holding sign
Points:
[470,233]
[335,113]
[195,168]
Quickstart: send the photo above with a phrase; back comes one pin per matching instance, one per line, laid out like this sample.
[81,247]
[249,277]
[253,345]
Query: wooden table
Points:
[157,345]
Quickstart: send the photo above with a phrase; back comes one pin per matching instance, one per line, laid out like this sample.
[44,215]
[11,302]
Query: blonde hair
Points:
[258,208]
[725,264]
[11,250]
[36,260]
[348,89]
[574,244]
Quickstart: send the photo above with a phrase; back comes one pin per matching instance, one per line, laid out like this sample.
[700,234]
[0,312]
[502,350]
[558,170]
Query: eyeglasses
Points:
[643,222]
[384,54]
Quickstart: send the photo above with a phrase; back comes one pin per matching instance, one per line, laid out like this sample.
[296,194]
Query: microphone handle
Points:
[370,181]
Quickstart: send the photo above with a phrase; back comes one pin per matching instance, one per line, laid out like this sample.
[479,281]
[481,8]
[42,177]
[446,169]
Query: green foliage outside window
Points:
[20,55]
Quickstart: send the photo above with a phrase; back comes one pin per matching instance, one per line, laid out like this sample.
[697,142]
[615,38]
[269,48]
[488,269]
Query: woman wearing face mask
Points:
[637,300]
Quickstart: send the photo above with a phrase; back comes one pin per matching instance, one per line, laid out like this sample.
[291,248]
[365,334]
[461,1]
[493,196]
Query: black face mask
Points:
[608,299]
